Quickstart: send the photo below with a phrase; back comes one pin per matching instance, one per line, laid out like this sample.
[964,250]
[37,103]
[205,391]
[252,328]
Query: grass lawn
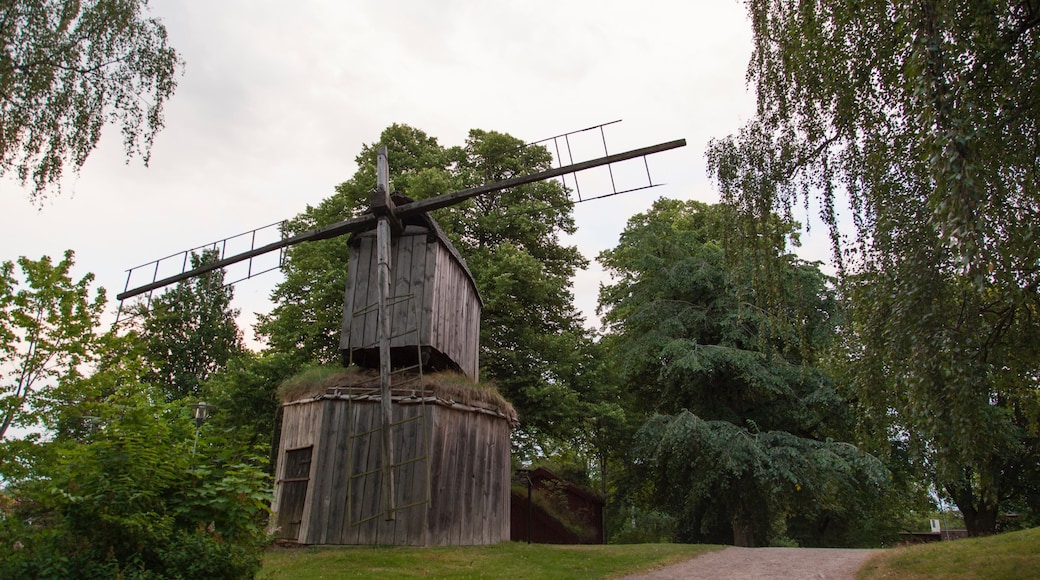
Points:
[505,560]
[1007,556]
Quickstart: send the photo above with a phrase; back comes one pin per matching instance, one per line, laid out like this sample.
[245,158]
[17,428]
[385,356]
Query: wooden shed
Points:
[434,302]
[451,475]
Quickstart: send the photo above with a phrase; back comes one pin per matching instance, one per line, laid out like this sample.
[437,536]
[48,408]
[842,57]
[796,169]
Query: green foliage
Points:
[738,417]
[134,498]
[189,331]
[715,475]
[121,486]
[68,69]
[924,117]
[47,330]
[638,526]
[245,395]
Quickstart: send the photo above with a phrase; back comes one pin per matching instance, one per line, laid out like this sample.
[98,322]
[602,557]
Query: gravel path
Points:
[766,563]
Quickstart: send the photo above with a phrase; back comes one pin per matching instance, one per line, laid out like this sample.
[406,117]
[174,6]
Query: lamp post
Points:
[201,412]
[524,477]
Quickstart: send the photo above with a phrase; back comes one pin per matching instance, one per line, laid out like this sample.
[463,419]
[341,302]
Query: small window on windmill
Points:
[298,464]
[936,528]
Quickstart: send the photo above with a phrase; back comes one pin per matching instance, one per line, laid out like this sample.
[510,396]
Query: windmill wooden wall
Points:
[328,484]
[435,302]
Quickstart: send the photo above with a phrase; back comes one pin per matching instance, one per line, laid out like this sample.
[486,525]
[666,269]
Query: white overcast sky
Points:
[278,97]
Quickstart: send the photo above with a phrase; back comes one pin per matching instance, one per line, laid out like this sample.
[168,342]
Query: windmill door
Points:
[294,492]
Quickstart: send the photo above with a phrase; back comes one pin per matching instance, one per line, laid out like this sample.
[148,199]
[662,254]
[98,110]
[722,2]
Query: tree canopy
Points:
[738,416]
[47,331]
[189,332]
[923,116]
[121,483]
[70,68]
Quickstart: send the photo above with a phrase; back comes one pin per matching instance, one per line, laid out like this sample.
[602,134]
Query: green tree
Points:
[737,415]
[123,485]
[245,397]
[189,331]
[924,117]
[68,69]
[136,496]
[531,335]
[47,330]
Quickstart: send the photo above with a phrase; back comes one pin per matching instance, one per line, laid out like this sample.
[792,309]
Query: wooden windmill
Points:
[375,466]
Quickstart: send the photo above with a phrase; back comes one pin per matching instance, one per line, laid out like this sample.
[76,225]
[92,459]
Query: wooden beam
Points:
[379,201]
[383,279]
[357,224]
[449,199]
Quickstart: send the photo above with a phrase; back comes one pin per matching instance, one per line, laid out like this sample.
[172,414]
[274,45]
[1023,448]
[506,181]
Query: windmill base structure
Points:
[389,455]
[451,470]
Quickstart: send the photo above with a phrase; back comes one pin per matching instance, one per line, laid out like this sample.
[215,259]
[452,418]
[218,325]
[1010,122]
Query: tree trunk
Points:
[980,514]
[983,522]
[743,532]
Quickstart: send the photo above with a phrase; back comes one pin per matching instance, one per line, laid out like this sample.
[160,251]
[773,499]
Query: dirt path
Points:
[765,563]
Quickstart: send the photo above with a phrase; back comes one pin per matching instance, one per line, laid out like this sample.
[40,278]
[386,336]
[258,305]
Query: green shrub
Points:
[136,499]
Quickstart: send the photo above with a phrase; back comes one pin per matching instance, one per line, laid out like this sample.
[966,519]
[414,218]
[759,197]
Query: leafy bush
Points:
[644,527]
[137,498]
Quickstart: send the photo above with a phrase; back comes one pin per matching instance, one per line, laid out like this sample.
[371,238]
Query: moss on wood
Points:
[313,382]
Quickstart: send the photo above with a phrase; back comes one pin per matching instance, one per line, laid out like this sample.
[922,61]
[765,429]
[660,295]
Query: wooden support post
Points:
[383,257]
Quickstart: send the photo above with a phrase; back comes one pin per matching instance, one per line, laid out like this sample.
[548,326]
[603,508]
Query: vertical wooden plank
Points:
[498,510]
[370,324]
[401,286]
[364,252]
[416,270]
[481,480]
[359,490]
[288,423]
[348,301]
[433,279]
[369,500]
[341,472]
[474,334]
[504,474]
[445,460]
[407,492]
[357,453]
[463,473]
[473,480]
[402,474]
[337,497]
[443,301]
[317,494]
[490,515]
[420,249]
[420,481]
[427,294]
[451,322]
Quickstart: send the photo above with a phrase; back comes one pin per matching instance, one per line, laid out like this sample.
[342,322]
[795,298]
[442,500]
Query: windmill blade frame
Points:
[369,220]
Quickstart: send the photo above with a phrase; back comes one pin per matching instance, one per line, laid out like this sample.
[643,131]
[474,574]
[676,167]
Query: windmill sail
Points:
[368,220]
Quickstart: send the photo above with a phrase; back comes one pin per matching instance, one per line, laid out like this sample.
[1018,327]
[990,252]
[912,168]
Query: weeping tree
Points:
[921,119]
[70,68]
[741,428]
